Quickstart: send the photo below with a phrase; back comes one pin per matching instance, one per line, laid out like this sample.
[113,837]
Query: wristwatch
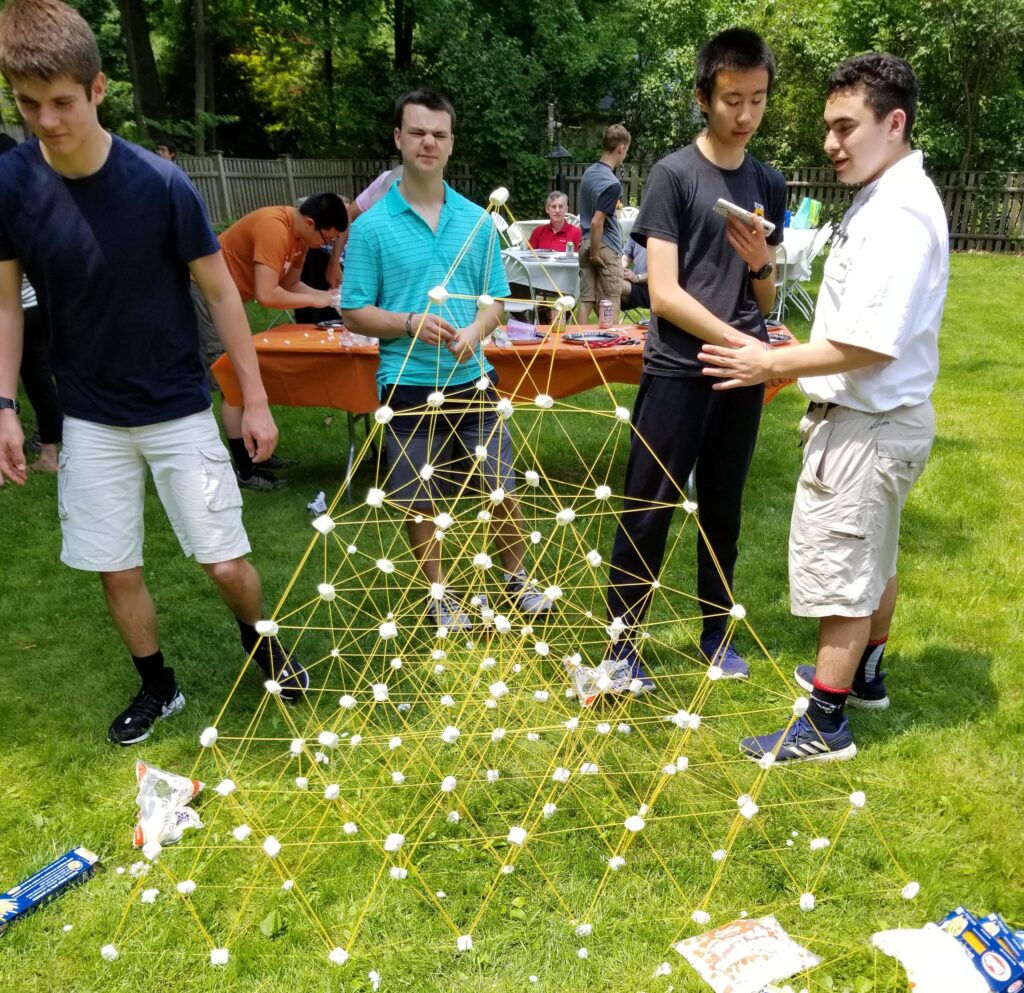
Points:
[763,273]
[6,403]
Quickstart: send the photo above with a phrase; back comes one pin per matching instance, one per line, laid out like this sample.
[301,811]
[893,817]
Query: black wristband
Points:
[408,325]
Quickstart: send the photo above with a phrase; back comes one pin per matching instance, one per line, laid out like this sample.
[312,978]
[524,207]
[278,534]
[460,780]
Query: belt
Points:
[816,405]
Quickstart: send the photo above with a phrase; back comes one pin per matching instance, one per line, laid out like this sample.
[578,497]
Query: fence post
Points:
[225,190]
[289,177]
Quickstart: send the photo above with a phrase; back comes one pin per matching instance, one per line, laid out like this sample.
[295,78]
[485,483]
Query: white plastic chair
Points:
[801,299]
[508,231]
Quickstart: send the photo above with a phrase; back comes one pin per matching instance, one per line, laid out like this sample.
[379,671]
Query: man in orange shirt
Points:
[558,232]
[264,252]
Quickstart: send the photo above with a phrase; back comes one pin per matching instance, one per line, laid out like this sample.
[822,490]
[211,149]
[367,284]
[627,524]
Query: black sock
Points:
[870,667]
[250,636]
[240,457]
[156,676]
[826,707]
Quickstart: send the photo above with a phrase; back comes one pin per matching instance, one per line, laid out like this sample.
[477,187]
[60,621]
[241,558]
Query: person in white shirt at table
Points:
[868,371]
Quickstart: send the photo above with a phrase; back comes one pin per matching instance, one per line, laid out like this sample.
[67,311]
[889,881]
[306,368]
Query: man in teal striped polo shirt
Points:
[444,435]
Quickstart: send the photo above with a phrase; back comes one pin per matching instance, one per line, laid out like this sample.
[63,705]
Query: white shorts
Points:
[844,536]
[101,491]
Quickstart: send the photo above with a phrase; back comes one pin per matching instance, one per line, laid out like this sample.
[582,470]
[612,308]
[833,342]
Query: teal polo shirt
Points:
[393,259]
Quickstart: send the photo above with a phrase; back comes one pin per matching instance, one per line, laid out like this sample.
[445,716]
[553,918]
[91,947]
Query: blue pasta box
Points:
[72,868]
[991,946]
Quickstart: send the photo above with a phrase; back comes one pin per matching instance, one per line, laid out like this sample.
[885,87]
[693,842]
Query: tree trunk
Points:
[328,53]
[199,13]
[147,93]
[211,93]
[403,34]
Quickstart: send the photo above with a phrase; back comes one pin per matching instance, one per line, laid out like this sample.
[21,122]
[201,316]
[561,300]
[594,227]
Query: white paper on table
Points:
[934,961]
[745,956]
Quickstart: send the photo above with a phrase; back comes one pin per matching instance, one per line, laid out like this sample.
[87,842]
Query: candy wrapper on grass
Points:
[745,956]
[164,811]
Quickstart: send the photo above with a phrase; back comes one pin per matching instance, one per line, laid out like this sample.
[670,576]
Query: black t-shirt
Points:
[677,206]
[109,252]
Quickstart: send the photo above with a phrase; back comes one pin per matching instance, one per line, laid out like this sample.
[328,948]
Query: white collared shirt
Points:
[883,289]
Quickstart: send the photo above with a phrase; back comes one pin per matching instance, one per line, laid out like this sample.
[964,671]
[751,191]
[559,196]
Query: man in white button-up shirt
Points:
[868,371]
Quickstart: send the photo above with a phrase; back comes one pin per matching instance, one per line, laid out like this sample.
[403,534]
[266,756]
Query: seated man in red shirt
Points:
[558,232]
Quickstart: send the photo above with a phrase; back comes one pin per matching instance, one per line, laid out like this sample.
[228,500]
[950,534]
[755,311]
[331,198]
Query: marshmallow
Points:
[242,832]
[374,497]
[498,198]
[565,516]
[480,452]
[616,862]
[532,478]
[594,558]
[208,738]
[504,407]
[328,739]
[185,887]
[383,415]
[272,846]
[858,799]
[219,956]
[272,686]
[346,702]
[464,943]
[109,953]
[380,692]
[484,301]
[397,778]
[543,401]
[701,917]
[448,784]
[910,891]
[438,294]
[332,791]
[350,828]
[225,787]
[498,689]
[327,592]
[301,782]
[634,823]
[449,735]
[386,566]
[565,302]
[497,496]
[622,413]
[435,399]
[267,628]
[493,775]
[388,630]
[738,611]
[582,953]
[324,524]
[549,810]
[399,872]
[393,842]
[541,696]
[807,901]
[149,896]
[800,705]
[690,506]
[497,734]
[338,956]
[516,835]
[535,537]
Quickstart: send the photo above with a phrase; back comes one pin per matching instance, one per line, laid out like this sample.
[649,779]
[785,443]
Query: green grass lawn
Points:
[941,768]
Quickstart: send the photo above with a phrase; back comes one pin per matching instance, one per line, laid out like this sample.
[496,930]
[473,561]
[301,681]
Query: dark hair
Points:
[44,39]
[168,144]
[734,49]
[887,82]
[327,211]
[423,97]
[614,135]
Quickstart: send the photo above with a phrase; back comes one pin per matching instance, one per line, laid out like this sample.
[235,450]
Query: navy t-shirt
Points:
[677,206]
[109,252]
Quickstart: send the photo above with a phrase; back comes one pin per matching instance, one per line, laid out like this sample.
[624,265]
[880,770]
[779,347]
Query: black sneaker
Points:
[277,664]
[135,722]
[864,695]
[261,480]
[275,462]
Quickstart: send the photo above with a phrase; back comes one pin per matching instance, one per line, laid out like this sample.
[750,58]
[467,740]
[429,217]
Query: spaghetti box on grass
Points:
[994,949]
[47,884]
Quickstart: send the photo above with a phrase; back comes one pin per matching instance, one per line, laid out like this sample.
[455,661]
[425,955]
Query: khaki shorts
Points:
[857,471]
[101,491]
[599,284]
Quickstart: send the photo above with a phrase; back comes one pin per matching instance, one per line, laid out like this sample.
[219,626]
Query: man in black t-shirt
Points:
[707,275]
[112,235]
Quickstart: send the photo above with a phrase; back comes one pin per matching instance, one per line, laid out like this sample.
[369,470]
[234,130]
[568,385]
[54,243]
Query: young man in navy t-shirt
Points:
[707,275]
[110,233]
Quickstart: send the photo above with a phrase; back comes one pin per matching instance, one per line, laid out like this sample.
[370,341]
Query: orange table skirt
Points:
[304,366]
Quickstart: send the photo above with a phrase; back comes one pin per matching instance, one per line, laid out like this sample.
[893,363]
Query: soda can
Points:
[570,250]
[605,314]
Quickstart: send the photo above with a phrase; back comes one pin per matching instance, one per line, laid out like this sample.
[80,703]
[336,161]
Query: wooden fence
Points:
[985,210]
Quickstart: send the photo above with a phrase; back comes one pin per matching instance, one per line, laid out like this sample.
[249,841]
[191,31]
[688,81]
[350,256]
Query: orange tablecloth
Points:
[303,366]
